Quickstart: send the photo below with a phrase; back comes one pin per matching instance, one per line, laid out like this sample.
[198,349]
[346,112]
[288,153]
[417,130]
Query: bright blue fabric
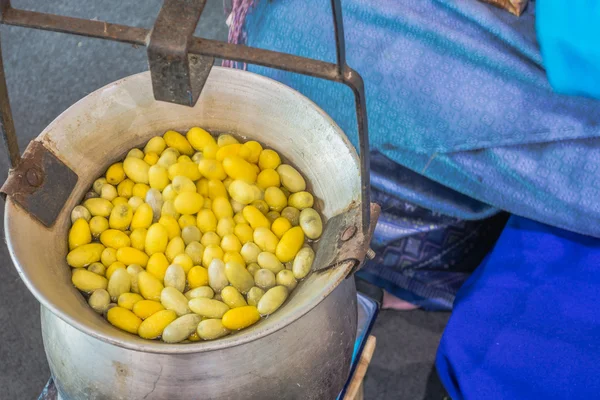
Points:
[526,325]
[457,92]
[569,36]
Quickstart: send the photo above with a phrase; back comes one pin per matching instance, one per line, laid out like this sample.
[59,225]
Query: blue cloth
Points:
[457,92]
[526,324]
[568,33]
[421,256]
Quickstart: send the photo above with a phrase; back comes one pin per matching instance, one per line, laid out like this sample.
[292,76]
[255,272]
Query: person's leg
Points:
[526,324]
[392,302]
[383,297]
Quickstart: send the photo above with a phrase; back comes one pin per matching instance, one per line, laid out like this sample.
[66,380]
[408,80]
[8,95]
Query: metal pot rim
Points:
[337,274]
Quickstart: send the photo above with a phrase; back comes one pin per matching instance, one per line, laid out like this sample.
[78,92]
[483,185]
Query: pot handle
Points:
[7,126]
[353,239]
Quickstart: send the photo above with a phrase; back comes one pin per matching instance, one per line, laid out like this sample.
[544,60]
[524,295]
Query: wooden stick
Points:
[361,369]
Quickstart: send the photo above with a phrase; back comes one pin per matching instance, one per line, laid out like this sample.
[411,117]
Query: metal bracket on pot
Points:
[179,65]
[344,242]
[40,183]
[177,76]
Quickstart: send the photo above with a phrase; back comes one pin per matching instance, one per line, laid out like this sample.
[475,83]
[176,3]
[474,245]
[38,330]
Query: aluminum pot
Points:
[302,351]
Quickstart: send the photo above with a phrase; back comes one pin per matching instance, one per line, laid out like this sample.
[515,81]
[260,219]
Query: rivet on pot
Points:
[34,177]
[348,233]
